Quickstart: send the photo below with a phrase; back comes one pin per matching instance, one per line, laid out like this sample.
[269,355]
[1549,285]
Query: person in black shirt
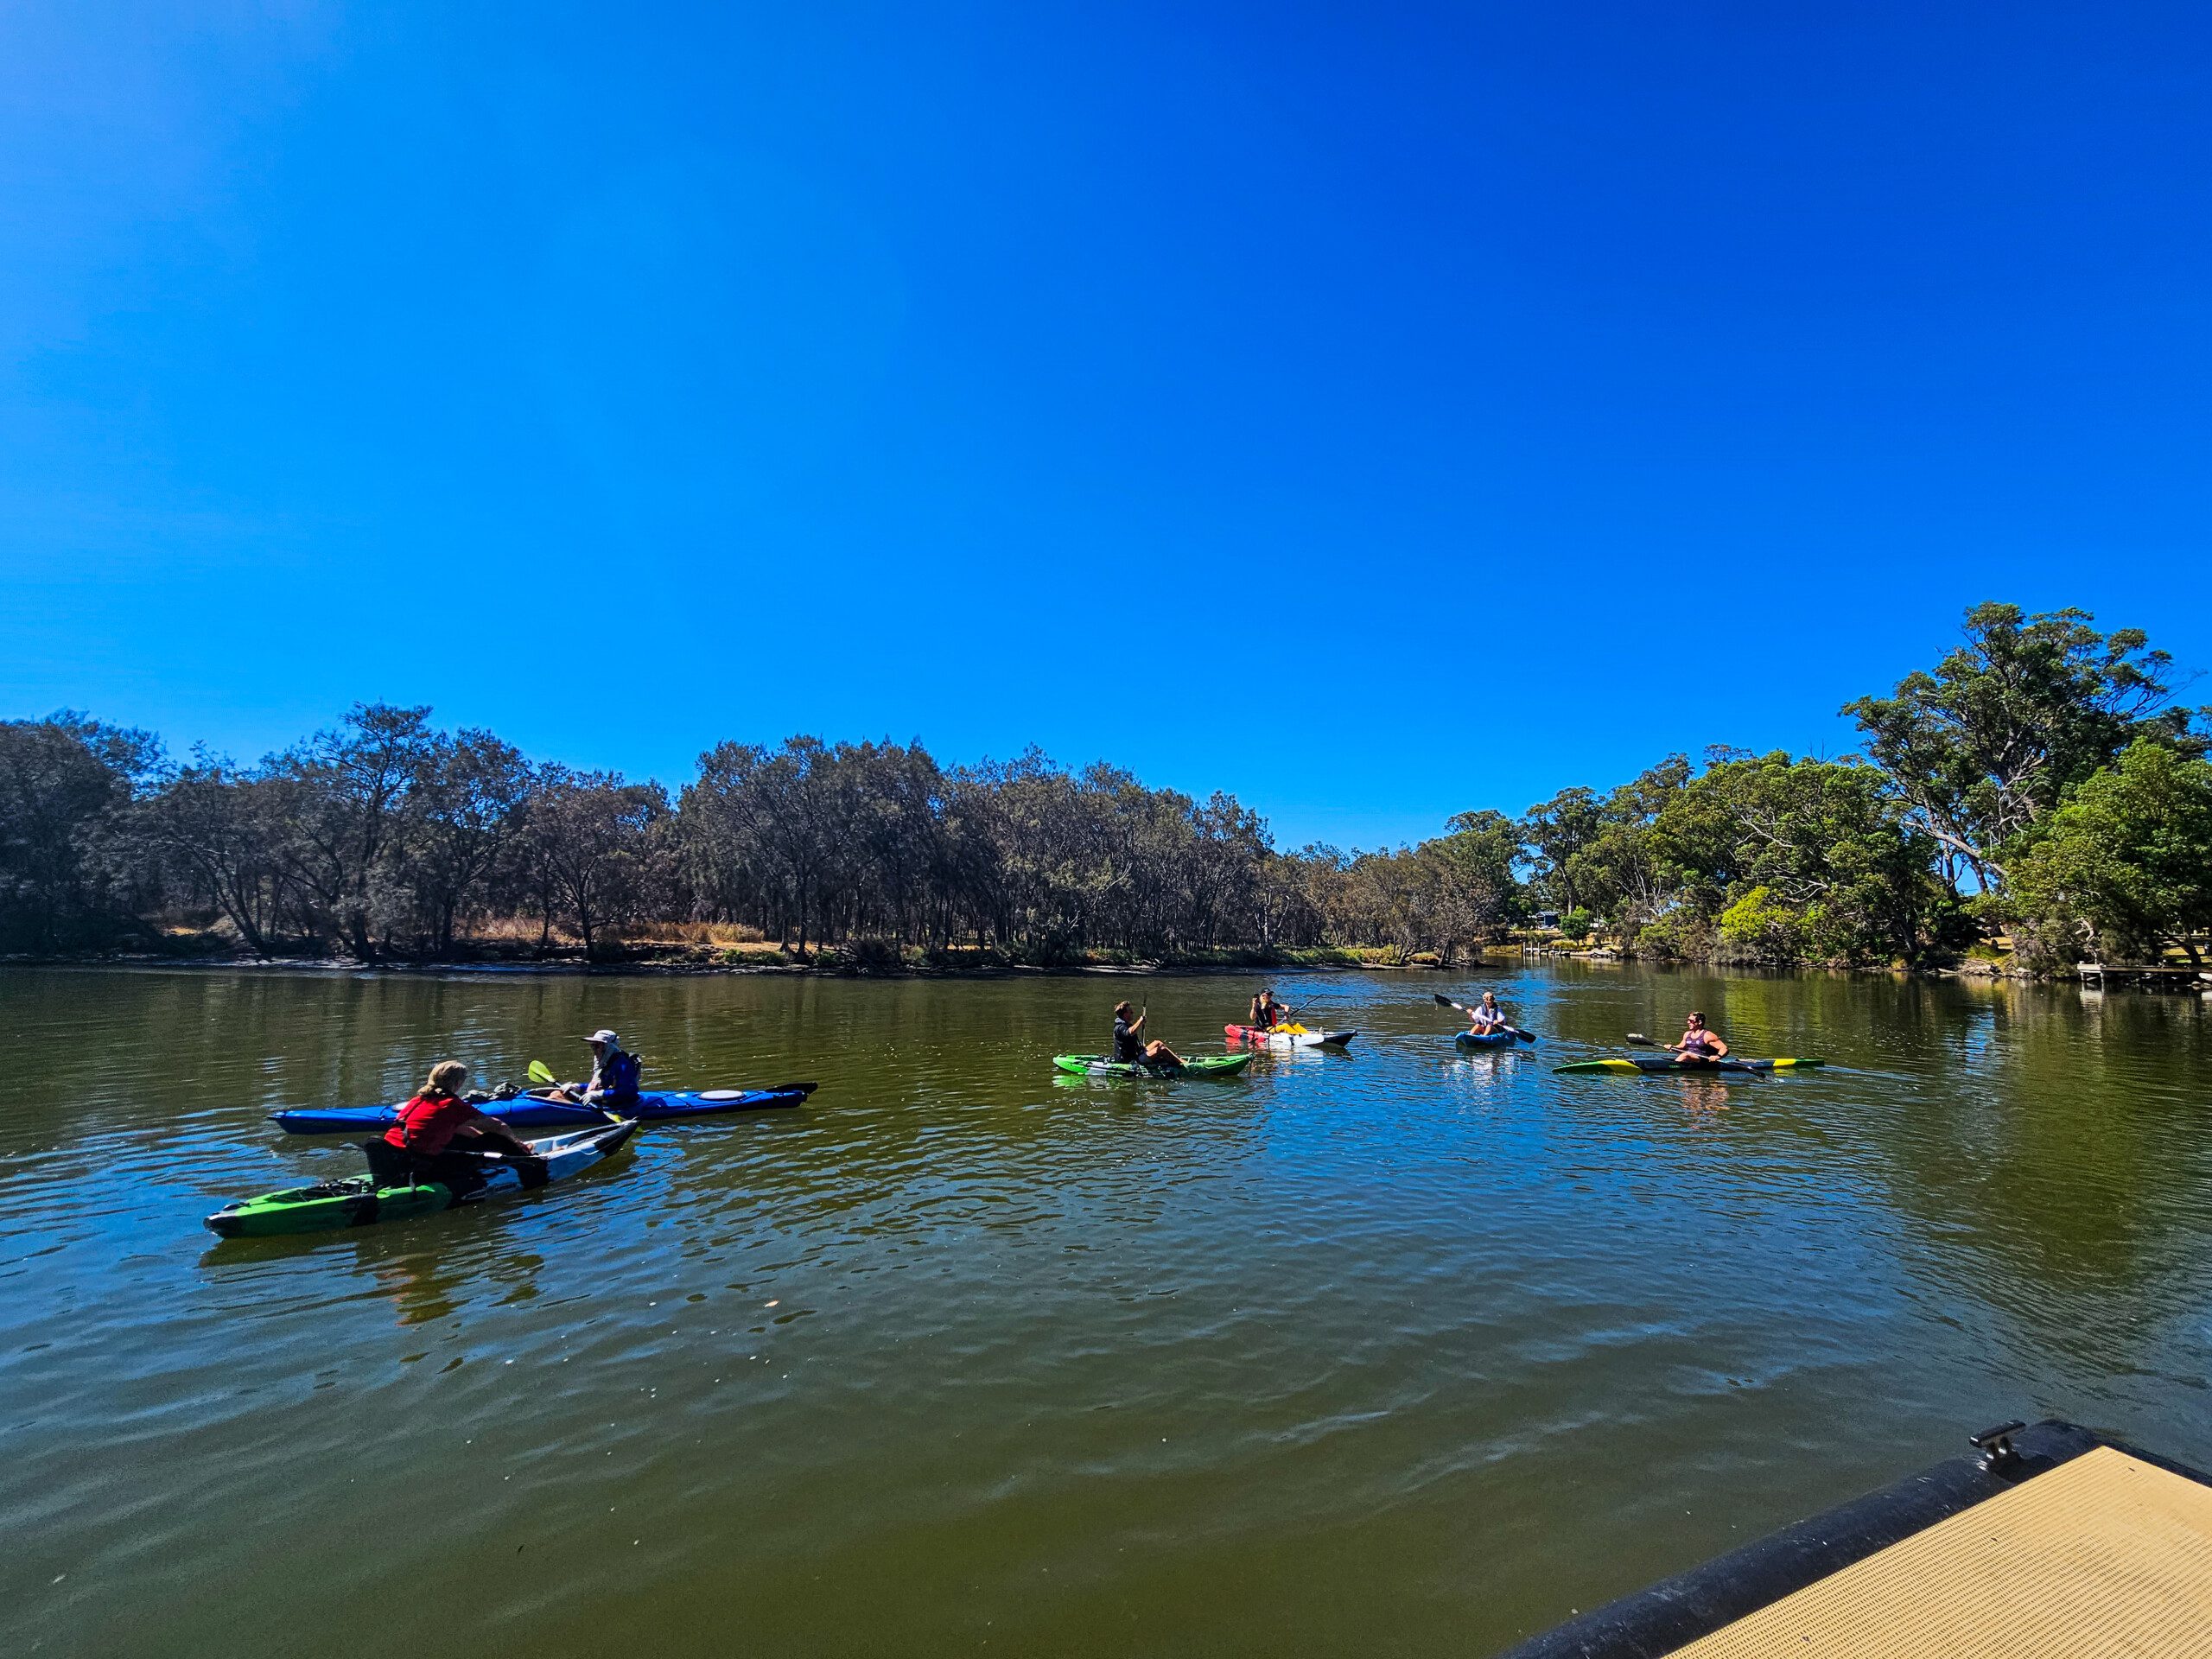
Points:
[1130,1048]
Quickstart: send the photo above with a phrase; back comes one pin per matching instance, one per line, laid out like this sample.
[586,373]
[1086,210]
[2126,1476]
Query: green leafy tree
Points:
[2127,863]
[1762,927]
[1627,871]
[1986,746]
[1822,841]
[1555,831]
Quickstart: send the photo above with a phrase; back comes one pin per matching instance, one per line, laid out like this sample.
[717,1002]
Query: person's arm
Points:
[492,1132]
[1720,1045]
[505,1139]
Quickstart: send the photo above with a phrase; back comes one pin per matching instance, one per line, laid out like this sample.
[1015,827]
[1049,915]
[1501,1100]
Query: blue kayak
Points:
[1484,1040]
[534,1111]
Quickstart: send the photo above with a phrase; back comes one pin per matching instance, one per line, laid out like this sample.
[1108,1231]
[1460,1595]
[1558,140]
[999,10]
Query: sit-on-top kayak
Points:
[1288,1036]
[1655,1063]
[359,1202]
[1486,1040]
[1202,1065]
[533,1110]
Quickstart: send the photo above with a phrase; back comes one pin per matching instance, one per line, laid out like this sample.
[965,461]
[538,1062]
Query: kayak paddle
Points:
[1525,1036]
[1638,1039]
[540,1072]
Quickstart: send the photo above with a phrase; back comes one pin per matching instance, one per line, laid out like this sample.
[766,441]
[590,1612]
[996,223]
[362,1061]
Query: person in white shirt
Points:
[1486,1018]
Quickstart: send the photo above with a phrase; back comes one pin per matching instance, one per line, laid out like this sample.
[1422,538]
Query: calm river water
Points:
[1397,1351]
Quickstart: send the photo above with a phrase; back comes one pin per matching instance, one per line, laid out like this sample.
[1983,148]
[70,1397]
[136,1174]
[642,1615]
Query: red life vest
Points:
[427,1124]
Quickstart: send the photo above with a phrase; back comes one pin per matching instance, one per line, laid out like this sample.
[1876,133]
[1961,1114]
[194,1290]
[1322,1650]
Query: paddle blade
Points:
[541,1072]
[1640,1040]
[1528,1036]
[1444,999]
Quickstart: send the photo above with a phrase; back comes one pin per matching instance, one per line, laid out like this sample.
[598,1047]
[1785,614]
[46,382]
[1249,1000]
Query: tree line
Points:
[2042,781]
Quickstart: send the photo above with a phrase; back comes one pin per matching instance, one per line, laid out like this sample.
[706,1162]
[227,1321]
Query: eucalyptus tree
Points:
[1784,858]
[343,797]
[2125,865]
[764,832]
[66,785]
[1555,832]
[217,834]
[467,807]
[590,841]
[1987,745]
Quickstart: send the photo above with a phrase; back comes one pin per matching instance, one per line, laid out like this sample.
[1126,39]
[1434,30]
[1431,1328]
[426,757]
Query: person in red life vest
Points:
[440,1137]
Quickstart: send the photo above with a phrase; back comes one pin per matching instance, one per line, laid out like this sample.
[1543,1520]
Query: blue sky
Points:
[1375,417]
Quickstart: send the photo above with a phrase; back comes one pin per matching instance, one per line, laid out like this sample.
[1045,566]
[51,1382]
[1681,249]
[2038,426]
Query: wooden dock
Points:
[2159,976]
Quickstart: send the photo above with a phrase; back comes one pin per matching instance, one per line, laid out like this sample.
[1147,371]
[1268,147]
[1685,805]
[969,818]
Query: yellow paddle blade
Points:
[541,1072]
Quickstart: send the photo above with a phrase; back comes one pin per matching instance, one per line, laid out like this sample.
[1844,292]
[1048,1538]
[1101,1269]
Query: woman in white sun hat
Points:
[614,1085]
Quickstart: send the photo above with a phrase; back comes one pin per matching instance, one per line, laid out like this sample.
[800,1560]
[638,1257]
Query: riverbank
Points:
[877,959]
[880,961]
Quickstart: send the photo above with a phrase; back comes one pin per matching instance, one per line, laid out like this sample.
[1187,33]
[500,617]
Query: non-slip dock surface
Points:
[2102,1557]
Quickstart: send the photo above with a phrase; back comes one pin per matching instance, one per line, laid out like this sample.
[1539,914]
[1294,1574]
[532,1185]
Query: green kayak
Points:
[359,1202]
[1653,1063]
[1205,1066]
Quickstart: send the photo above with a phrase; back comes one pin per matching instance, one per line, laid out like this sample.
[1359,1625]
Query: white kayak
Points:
[1287,1037]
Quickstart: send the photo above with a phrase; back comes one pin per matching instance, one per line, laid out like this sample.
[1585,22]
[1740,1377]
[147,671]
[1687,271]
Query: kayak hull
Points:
[1203,1066]
[328,1205]
[1263,1037]
[1653,1063]
[533,1111]
[1486,1039]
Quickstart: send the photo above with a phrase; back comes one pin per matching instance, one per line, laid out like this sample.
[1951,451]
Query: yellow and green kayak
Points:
[1655,1063]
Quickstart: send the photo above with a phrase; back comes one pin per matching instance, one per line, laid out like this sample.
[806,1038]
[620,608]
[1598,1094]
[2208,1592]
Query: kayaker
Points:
[1267,1013]
[1698,1042]
[1486,1019]
[440,1137]
[1130,1048]
[614,1085]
